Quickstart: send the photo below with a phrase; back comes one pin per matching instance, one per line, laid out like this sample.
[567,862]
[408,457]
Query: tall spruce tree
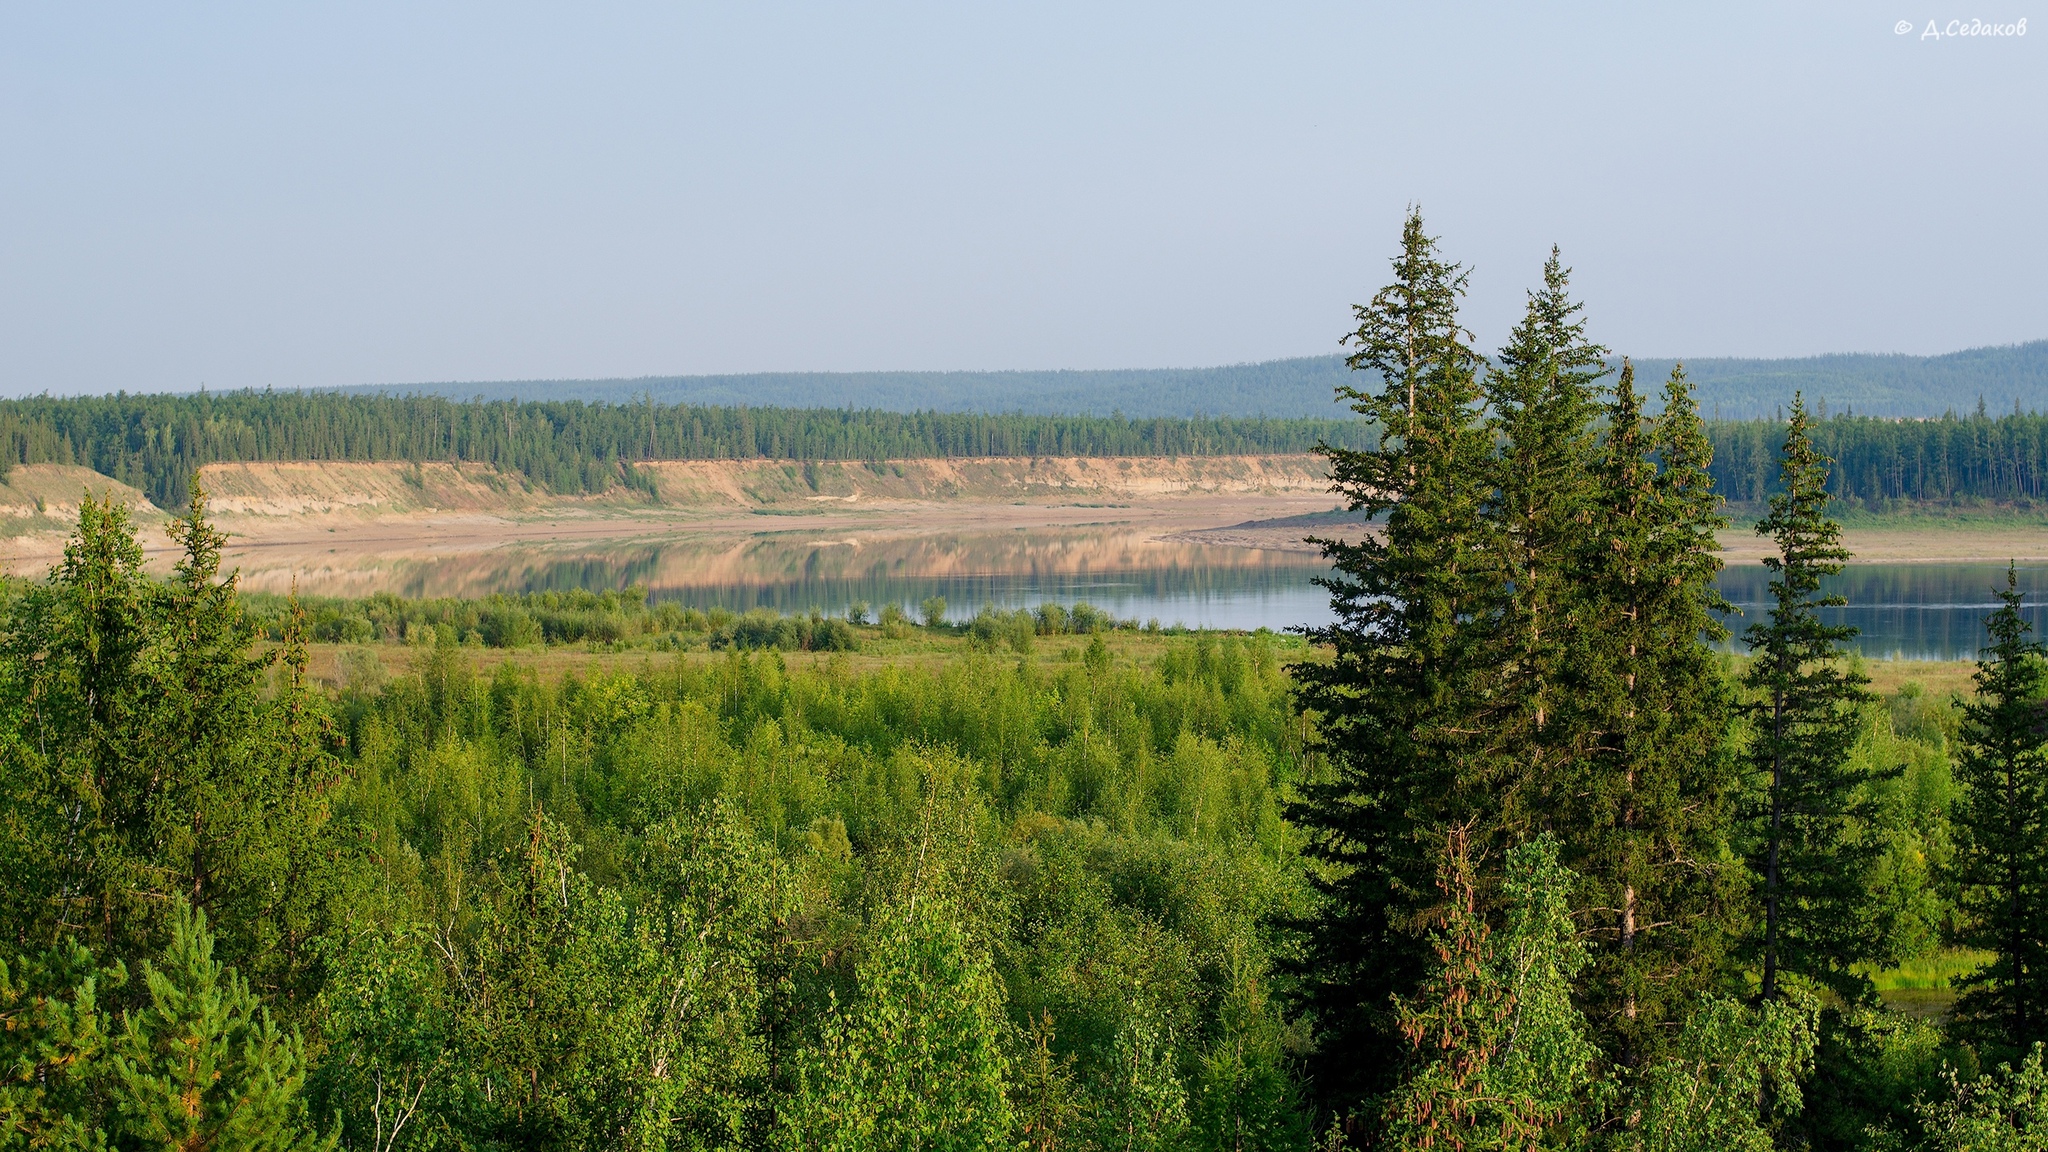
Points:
[1810,865]
[1543,397]
[1398,698]
[2001,831]
[1647,809]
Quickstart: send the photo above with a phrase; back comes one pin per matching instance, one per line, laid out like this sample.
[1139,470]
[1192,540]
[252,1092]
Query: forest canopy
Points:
[156,442]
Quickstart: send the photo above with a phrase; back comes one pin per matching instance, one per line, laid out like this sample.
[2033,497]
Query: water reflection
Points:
[1129,572]
[1916,611]
[1910,611]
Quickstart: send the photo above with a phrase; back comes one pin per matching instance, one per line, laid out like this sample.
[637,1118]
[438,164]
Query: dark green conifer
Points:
[1542,394]
[153,761]
[75,691]
[1399,700]
[1647,809]
[2001,831]
[1809,864]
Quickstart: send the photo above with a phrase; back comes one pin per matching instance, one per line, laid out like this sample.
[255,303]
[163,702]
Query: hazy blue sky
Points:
[304,195]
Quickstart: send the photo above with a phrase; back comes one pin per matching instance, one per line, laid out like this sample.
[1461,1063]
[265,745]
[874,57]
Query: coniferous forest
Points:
[156,442]
[1505,857]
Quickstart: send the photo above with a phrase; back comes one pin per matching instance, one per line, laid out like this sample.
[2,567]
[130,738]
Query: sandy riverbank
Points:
[352,524]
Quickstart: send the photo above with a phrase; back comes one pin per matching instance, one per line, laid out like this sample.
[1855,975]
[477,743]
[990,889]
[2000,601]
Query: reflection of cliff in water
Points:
[797,571]
[1919,611]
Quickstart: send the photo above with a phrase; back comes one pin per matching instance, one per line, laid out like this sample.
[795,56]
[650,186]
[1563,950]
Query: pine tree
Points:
[1808,861]
[1647,809]
[1406,668]
[198,1063]
[202,1065]
[2001,830]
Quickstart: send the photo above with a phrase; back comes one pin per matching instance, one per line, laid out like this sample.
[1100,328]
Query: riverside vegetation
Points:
[1505,857]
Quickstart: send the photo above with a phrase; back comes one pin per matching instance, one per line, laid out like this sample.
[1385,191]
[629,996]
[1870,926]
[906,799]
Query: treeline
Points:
[1880,465]
[155,443]
[613,620]
[1881,385]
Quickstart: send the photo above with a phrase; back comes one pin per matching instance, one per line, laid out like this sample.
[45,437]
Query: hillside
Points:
[354,491]
[1872,384]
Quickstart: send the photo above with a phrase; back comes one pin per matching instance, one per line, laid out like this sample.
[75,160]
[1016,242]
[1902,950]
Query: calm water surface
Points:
[1913,611]
[1908,611]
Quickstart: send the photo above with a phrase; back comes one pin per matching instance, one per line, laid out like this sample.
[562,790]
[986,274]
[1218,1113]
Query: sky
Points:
[307,195]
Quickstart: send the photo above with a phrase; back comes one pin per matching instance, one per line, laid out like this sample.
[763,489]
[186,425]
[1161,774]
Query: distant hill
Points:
[1301,387]
[1872,384]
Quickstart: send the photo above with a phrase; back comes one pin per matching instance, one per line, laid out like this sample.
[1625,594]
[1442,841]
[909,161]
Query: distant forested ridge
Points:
[1300,386]
[1869,383]
[156,442]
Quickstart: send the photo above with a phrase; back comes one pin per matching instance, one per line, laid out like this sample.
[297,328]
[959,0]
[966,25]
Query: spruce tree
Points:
[1809,862]
[2001,831]
[76,694]
[1542,394]
[152,760]
[1647,809]
[1398,700]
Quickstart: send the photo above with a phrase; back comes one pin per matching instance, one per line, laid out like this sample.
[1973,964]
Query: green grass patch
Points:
[1939,970]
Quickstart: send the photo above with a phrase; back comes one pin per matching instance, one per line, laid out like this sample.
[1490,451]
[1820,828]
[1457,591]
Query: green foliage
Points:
[202,1065]
[54,1042]
[1871,1069]
[1519,652]
[1116,852]
[1140,1105]
[1400,699]
[916,1061]
[1503,1061]
[1645,810]
[1805,845]
[1243,1097]
[155,758]
[2001,826]
[2005,1111]
[1013,630]
[1546,491]
[761,628]
[197,1064]
[1702,1095]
